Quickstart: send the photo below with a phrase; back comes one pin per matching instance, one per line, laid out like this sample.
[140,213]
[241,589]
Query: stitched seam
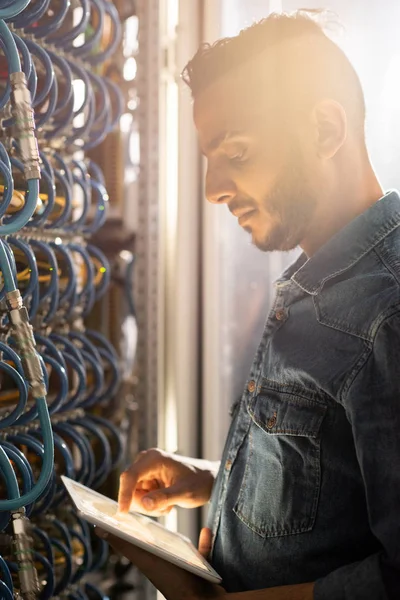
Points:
[296,391]
[277,531]
[336,324]
[379,322]
[296,432]
[388,229]
[387,265]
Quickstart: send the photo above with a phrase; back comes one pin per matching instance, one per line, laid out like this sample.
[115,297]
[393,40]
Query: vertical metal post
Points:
[147,280]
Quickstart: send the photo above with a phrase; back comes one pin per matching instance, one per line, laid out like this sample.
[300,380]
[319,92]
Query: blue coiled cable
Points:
[22,398]
[117,102]
[27,67]
[55,23]
[11,9]
[33,14]
[104,468]
[5,592]
[66,212]
[64,39]
[87,556]
[44,539]
[90,44]
[86,472]
[101,57]
[52,290]
[48,590]
[5,571]
[100,114]
[65,580]
[62,65]
[24,469]
[70,288]
[31,262]
[62,394]
[101,207]
[52,98]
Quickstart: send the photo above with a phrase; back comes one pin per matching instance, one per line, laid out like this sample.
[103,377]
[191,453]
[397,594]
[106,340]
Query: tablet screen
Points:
[137,526]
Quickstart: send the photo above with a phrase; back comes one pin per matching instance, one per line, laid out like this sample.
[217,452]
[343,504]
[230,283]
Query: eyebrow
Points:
[224,136]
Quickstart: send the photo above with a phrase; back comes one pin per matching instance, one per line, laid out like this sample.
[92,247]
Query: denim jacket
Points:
[309,484]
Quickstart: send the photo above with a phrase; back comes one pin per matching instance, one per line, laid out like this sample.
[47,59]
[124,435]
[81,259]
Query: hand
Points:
[157,481]
[205,542]
[174,583]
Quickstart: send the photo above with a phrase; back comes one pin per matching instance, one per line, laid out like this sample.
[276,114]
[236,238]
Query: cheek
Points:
[258,179]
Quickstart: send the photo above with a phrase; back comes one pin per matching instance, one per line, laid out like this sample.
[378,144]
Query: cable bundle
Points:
[54,372]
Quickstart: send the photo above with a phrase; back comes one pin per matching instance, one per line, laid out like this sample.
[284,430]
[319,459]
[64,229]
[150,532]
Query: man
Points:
[306,503]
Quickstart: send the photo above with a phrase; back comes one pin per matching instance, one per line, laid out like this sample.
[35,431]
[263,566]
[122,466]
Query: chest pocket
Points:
[281,480]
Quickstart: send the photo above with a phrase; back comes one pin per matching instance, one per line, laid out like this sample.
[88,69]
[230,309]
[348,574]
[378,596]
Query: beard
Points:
[290,207]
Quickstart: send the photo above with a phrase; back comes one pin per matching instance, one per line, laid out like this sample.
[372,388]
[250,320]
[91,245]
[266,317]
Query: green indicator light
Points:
[103,269]
[101,207]
[51,269]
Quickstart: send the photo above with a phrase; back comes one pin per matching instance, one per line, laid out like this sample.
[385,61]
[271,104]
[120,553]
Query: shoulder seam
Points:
[393,311]
[387,265]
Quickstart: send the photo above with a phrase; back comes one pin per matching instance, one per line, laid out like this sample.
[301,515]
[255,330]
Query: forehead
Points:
[236,102]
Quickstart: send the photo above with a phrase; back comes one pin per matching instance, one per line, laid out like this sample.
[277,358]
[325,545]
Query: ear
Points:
[330,122]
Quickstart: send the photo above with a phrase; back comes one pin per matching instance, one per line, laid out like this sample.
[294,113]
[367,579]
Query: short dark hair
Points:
[328,64]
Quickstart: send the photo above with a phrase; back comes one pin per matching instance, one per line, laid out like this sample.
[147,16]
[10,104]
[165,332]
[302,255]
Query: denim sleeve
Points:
[372,403]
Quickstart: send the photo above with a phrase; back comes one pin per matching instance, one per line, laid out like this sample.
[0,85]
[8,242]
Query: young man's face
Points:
[256,163]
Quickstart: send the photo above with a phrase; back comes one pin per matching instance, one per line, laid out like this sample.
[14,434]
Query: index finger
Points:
[127,486]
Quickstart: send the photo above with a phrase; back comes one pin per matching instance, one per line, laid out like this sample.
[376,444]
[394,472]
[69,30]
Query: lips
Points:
[241,212]
[246,216]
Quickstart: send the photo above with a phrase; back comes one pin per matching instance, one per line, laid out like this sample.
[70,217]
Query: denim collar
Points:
[347,246]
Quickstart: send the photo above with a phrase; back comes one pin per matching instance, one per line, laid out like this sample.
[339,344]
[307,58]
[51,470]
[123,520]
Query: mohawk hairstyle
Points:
[328,64]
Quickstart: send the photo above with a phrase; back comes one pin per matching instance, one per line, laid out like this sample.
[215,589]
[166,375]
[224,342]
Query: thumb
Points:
[205,542]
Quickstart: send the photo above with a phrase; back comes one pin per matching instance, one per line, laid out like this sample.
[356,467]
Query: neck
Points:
[346,201]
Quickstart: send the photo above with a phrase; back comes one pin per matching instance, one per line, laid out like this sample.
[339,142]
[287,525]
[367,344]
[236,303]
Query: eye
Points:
[238,156]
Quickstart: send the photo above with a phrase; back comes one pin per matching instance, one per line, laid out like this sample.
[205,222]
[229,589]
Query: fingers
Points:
[164,499]
[205,542]
[145,466]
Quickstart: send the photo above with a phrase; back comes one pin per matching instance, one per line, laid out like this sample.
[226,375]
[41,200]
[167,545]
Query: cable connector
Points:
[23,331]
[23,550]
[23,114]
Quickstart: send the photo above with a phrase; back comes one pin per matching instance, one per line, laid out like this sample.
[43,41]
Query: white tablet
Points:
[139,530]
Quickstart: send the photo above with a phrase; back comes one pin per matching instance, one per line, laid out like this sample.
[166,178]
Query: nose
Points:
[220,189]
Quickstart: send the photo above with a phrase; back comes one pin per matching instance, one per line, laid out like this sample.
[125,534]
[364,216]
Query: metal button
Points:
[271,422]
[280,315]
[251,386]
[228,465]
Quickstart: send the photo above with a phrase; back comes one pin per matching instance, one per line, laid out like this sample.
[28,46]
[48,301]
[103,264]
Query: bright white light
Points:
[172,16]
[275,6]
[130,69]
[76,18]
[391,87]
[77,15]
[133,104]
[125,122]
[134,148]
[79,93]
[58,241]
[131,35]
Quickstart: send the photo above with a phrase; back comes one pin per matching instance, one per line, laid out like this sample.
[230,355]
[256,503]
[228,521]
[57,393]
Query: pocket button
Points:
[251,386]
[271,422]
